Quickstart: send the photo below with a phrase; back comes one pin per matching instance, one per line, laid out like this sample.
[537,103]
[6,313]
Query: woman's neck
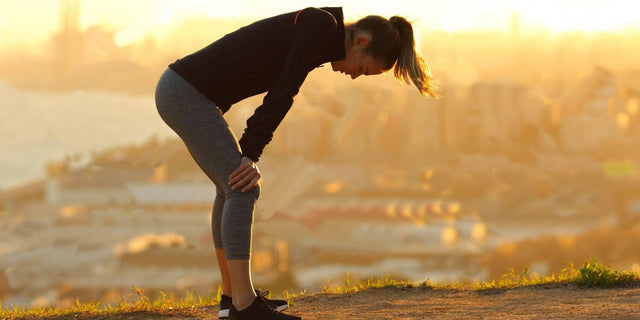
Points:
[348,32]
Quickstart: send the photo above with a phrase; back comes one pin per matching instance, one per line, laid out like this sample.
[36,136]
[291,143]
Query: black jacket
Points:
[274,55]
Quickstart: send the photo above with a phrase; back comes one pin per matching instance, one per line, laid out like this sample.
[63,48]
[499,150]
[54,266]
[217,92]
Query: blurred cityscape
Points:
[528,161]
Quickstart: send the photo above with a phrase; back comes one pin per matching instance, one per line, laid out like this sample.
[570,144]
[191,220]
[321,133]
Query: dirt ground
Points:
[555,301]
[541,302]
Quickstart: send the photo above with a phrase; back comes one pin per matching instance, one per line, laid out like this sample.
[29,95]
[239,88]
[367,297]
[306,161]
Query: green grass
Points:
[591,274]
[597,275]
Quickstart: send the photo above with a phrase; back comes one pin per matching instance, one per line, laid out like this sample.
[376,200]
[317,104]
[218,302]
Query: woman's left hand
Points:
[247,174]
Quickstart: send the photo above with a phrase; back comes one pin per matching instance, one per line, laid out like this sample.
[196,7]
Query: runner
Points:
[272,55]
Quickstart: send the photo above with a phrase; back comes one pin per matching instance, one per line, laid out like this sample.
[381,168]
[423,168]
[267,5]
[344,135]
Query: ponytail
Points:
[392,43]
[409,64]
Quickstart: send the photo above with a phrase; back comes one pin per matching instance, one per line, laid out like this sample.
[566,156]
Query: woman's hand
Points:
[247,174]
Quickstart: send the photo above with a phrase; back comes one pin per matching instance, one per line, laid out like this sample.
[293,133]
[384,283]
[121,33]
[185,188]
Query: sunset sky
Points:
[29,22]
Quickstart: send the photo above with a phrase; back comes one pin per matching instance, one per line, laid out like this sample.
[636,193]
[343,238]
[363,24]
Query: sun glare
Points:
[164,17]
[569,15]
[143,25]
[134,19]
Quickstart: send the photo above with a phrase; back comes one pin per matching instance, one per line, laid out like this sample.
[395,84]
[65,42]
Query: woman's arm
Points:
[312,31]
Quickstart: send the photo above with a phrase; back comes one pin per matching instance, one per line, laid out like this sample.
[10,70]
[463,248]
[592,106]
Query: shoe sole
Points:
[224,314]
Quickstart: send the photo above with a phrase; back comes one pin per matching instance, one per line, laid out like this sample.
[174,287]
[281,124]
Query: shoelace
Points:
[263,296]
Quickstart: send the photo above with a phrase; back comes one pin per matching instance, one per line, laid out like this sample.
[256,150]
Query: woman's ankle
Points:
[240,302]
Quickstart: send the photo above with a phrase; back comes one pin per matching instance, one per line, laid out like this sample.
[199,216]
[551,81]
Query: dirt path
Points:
[542,302]
[557,301]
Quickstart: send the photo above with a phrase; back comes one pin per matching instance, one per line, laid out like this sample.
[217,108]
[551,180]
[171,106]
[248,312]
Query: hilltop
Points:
[591,292]
[548,301]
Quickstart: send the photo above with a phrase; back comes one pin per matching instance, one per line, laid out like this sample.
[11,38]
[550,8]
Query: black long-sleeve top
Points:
[274,55]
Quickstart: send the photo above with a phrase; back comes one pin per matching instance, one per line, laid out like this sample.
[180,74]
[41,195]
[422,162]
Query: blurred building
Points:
[494,114]
[69,39]
[371,123]
[589,113]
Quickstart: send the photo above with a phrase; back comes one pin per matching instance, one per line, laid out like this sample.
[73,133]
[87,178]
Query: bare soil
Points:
[551,301]
[539,302]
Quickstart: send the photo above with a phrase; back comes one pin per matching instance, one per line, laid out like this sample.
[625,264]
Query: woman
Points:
[274,55]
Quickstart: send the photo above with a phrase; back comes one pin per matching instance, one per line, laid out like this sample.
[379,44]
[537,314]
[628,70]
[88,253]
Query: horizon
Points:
[132,21]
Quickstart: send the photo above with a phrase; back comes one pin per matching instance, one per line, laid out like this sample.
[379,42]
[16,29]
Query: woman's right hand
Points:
[248,175]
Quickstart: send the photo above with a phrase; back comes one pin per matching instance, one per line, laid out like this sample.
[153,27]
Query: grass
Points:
[591,274]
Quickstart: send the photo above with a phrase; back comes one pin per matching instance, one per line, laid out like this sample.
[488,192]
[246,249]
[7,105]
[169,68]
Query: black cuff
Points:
[253,158]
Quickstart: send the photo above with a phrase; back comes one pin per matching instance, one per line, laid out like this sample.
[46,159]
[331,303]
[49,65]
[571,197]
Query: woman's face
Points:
[357,63]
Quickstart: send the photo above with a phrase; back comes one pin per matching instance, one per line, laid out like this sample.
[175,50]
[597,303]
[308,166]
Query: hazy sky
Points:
[30,21]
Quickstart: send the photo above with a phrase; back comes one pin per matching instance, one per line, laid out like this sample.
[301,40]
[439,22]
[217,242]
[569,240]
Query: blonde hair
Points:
[410,64]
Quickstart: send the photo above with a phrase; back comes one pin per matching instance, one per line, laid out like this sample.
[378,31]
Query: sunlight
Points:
[406,211]
[479,231]
[135,19]
[632,106]
[623,121]
[164,17]
[34,27]
[450,236]
[217,9]
[559,16]
[68,211]
[436,207]
[428,173]
[391,210]
[453,208]
[333,187]
[143,25]
[554,15]
[129,35]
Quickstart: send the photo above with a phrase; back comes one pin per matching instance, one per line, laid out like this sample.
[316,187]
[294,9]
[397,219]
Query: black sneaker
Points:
[275,304]
[259,310]
[226,302]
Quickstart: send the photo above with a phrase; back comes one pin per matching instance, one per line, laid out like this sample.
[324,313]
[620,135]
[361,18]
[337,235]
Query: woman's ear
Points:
[362,39]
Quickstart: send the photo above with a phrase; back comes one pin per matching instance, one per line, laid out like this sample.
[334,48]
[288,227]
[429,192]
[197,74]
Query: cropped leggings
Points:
[200,124]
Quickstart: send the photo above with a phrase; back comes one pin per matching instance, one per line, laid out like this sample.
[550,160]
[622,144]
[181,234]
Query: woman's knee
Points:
[220,190]
[254,192]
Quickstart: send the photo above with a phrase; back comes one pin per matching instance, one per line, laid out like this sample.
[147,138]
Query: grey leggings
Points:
[200,124]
